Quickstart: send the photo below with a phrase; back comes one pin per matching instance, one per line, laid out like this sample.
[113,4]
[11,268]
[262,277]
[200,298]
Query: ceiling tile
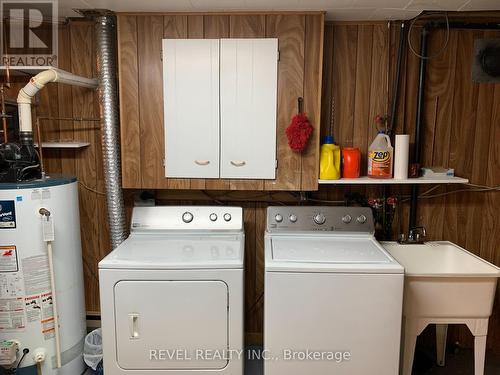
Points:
[348,10]
[393,4]
[394,14]
[66,7]
[274,5]
[360,14]
[481,5]
[142,6]
[218,5]
[435,4]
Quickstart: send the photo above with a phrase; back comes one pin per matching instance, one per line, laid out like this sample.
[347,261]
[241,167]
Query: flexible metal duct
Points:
[108,99]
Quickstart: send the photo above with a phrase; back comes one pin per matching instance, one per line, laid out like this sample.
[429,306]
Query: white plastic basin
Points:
[445,280]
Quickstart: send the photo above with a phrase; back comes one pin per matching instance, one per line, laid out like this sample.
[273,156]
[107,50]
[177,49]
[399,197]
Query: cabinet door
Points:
[191,104]
[249,79]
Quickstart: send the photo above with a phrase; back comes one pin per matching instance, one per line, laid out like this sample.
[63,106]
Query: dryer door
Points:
[169,325]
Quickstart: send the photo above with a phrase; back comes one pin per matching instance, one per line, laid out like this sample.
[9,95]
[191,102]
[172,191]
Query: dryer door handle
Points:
[133,324]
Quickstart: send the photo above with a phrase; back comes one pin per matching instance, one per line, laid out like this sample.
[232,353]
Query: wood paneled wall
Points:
[77,55]
[462,129]
[141,92]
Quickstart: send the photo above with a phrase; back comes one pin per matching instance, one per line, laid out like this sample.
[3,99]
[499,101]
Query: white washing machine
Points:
[172,293]
[333,295]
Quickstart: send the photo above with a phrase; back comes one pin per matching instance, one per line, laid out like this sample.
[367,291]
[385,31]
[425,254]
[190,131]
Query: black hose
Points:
[419,123]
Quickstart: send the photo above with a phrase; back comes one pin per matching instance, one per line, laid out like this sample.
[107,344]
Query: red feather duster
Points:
[299,130]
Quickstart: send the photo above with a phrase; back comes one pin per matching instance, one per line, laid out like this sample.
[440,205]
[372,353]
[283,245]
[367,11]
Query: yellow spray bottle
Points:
[329,162]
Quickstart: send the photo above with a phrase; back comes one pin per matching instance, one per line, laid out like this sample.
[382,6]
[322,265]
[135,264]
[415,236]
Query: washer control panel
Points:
[320,218]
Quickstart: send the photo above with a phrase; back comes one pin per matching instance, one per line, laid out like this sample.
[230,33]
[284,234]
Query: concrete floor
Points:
[460,363]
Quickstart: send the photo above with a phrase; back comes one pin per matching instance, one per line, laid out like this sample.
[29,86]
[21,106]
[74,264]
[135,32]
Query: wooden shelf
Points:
[72,144]
[374,181]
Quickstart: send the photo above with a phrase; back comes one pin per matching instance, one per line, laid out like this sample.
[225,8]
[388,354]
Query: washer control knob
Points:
[293,218]
[319,219]
[213,216]
[346,219]
[187,217]
[227,217]
[361,219]
[278,218]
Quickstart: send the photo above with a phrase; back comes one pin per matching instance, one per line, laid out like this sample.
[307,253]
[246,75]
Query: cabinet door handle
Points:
[202,162]
[133,323]
[238,163]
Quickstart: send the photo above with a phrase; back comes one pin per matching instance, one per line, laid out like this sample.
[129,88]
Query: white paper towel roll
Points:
[401,150]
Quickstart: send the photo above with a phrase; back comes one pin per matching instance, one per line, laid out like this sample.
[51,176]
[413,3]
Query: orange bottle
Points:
[351,162]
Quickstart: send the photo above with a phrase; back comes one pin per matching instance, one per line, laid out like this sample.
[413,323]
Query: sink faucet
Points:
[417,235]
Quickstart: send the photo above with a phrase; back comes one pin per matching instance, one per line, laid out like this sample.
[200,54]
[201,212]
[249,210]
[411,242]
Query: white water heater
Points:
[37,217]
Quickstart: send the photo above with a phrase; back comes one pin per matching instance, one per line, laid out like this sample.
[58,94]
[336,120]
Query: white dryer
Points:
[172,293]
[333,295]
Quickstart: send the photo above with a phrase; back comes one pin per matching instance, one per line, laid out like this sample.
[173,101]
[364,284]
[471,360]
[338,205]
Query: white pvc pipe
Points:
[37,83]
[54,304]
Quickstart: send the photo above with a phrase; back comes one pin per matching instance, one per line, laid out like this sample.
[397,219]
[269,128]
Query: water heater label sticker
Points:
[33,308]
[36,275]
[35,195]
[8,259]
[48,329]
[7,215]
[47,310]
[11,285]
[45,194]
[12,314]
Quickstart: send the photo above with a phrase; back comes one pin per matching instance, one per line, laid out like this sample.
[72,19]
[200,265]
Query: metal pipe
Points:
[37,83]
[419,122]
[4,114]
[108,101]
[395,91]
[69,118]
[467,25]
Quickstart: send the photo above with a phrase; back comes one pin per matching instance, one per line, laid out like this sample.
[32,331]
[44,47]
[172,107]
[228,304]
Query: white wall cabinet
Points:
[191,104]
[220,108]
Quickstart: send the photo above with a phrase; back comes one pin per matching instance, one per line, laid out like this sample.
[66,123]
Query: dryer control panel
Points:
[320,218]
[187,218]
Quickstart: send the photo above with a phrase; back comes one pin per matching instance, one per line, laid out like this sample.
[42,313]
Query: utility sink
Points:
[444,284]
[442,279]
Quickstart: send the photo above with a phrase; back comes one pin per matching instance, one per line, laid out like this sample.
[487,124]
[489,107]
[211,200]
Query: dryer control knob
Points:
[213,216]
[187,217]
[319,219]
[293,218]
[227,217]
[346,219]
[278,218]
[361,219]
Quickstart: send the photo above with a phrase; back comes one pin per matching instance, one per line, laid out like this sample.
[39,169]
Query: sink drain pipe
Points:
[419,122]
[105,34]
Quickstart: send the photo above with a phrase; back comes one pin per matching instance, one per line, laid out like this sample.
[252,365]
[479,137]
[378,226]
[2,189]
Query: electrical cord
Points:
[25,351]
[90,189]
[13,370]
[325,201]
[445,44]
[476,189]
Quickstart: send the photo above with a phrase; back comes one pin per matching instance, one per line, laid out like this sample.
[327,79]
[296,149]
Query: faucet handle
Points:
[417,234]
